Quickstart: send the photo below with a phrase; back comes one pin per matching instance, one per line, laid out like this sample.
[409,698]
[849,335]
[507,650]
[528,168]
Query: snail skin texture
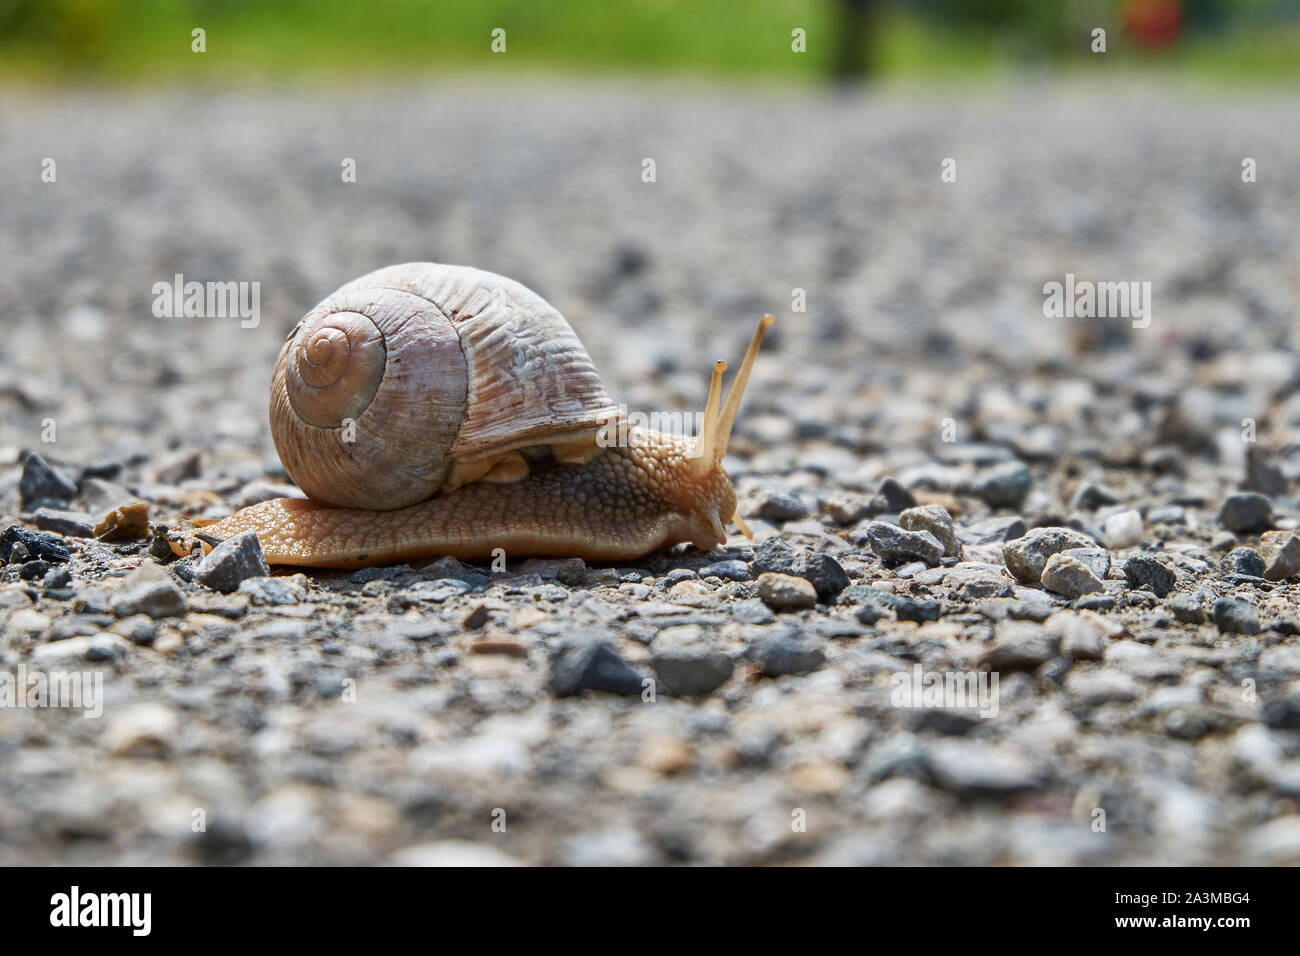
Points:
[429,410]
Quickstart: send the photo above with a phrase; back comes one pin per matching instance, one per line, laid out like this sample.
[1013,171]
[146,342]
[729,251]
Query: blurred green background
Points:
[148,40]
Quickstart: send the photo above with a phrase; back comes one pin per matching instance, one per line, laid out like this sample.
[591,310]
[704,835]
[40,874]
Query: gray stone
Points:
[588,661]
[786,651]
[972,767]
[778,506]
[1243,561]
[1089,497]
[273,591]
[1027,555]
[846,511]
[897,497]
[894,544]
[825,573]
[70,650]
[1104,685]
[731,570]
[1246,512]
[1081,639]
[1280,551]
[1022,647]
[138,629]
[573,572]
[1142,570]
[157,597]
[1069,576]
[231,562]
[786,590]
[1096,559]
[106,647]
[34,545]
[1003,486]
[936,520]
[1188,608]
[1167,514]
[908,609]
[1235,617]
[71,524]
[40,480]
[687,663]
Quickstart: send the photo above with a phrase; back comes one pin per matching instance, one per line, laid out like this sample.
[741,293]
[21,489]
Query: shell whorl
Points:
[399,374]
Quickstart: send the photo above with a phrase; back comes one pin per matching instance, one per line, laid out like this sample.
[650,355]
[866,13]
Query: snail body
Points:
[430,410]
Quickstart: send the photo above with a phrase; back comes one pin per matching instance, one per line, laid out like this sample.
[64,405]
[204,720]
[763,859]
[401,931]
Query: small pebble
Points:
[1142,570]
[1069,576]
[1235,617]
[1246,512]
[41,480]
[783,591]
[230,562]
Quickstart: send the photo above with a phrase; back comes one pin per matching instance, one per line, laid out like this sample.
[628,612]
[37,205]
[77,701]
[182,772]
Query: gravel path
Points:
[945,482]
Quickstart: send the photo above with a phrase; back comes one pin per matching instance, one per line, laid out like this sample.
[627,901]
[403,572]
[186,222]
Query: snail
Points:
[429,410]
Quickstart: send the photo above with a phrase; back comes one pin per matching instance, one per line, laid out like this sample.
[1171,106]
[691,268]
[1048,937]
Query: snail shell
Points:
[388,391]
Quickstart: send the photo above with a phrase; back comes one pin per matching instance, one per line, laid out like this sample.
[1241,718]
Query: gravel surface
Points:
[942,483]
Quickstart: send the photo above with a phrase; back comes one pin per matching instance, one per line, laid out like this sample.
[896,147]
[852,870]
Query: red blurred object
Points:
[1152,22]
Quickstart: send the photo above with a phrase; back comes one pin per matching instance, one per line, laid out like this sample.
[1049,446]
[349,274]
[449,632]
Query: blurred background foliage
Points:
[148,40]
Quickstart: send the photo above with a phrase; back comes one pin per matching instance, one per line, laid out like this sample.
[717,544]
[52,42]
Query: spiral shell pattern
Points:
[399,374]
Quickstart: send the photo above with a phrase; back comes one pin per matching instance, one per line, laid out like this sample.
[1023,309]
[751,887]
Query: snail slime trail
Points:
[429,410]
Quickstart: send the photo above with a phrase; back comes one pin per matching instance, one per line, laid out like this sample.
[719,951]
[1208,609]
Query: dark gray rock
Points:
[909,609]
[1282,713]
[1089,497]
[37,544]
[1188,608]
[1003,486]
[778,506]
[823,571]
[1142,570]
[1246,512]
[229,563]
[894,544]
[588,661]
[786,651]
[1243,561]
[1235,617]
[573,573]
[33,570]
[731,570]
[40,480]
[897,498]
[57,578]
